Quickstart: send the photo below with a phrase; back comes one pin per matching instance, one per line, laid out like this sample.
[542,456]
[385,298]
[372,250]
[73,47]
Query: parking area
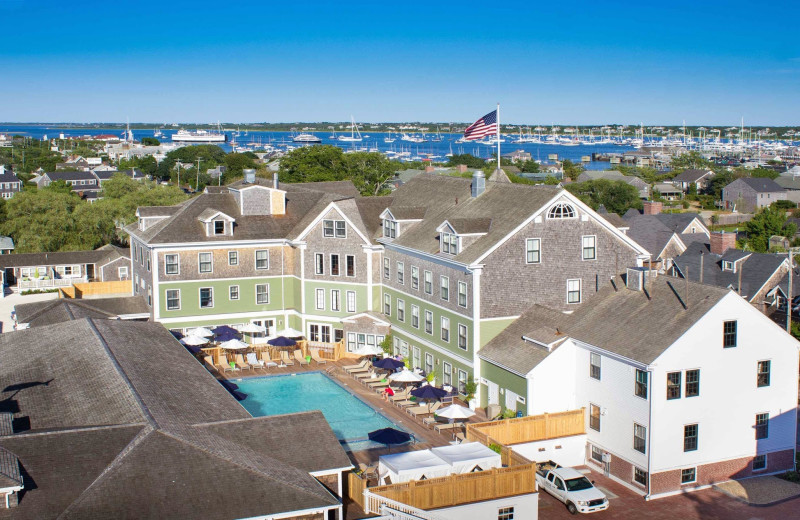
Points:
[707,504]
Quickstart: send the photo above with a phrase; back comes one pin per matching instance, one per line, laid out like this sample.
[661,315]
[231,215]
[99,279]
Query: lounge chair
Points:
[446,427]
[361,376]
[225,365]
[378,385]
[315,357]
[460,437]
[400,396]
[406,403]
[241,363]
[425,409]
[267,361]
[254,362]
[285,359]
[208,360]
[370,378]
[298,355]
[357,366]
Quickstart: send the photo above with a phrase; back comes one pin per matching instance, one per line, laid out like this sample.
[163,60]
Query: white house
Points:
[684,385]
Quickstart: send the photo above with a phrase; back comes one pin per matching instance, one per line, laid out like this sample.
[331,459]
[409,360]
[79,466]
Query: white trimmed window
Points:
[428,282]
[448,243]
[415,316]
[447,373]
[262,294]
[389,228]
[594,365]
[445,329]
[401,310]
[573,291]
[173,299]
[171,264]
[334,265]
[533,250]
[206,262]
[262,259]
[589,247]
[336,303]
[350,265]
[334,228]
[233,292]
[415,277]
[561,210]
[233,257]
[386,268]
[319,263]
[387,304]
[351,301]
[462,294]
[401,273]
[206,297]
[429,322]
[462,336]
[319,299]
[122,272]
[444,288]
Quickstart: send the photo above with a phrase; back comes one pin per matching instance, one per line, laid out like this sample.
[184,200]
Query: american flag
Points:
[487,125]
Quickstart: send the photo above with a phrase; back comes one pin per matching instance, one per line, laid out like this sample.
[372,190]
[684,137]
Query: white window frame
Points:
[387,268]
[599,365]
[200,262]
[387,304]
[766,462]
[694,480]
[463,285]
[569,290]
[449,243]
[427,282]
[444,324]
[319,267]
[415,316]
[167,298]
[230,292]
[556,211]
[336,300]
[121,270]
[235,258]
[346,260]
[415,277]
[351,301]
[401,273]
[444,288]
[533,246]
[389,228]
[200,297]
[401,310]
[338,265]
[214,227]
[447,373]
[592,240]
[177,263]
[319,299]
[463,332]
[255,259]
[266,287]
[429,314]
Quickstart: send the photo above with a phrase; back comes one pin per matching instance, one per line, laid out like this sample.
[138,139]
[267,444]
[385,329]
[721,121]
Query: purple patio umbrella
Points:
[282,341]
[428,392]
[388,364]
[389,436]
[225,333]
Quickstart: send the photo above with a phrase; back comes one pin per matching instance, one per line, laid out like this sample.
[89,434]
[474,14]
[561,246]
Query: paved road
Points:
[7,305]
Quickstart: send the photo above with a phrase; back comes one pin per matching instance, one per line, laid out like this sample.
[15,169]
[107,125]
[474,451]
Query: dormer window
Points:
[727,265]
[334,228]
[389,228]
[219,227]
[448,243]
[561,210]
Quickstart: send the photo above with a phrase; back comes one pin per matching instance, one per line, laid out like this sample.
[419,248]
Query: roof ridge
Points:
[77,429]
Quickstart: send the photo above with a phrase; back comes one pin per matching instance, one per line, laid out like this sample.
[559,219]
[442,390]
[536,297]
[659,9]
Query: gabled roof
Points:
[71,176]
[692,175]
[470,226]
[6,242]
[652,234]
[47,312]
[97,256]
[210,213]
[759,184]
[408,212]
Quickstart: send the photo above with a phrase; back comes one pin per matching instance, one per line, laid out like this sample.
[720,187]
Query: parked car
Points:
[571,487]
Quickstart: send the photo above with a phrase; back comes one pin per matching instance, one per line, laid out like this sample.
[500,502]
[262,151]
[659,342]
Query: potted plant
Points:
[386,345]
[469,391]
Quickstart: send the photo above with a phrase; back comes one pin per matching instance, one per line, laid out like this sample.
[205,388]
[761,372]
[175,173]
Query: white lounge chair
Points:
[254,362]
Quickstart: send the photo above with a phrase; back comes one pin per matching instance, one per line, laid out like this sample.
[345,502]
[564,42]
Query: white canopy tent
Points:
[467,456]
[412,465]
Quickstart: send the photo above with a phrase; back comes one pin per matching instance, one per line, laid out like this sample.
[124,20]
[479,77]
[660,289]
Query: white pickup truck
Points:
[571,487]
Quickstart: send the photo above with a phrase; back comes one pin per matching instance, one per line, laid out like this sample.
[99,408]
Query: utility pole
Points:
[179,174]
[197,182]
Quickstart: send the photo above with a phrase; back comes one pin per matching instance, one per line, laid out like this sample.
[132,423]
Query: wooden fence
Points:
[355,488]
[460,489]
[528,429]
[329,351]
[89,289]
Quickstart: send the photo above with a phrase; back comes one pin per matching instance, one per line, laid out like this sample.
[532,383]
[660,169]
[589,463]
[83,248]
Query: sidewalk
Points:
[7,305]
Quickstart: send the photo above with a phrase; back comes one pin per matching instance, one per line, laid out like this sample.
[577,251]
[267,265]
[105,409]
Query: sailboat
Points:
[389,138]
[355,135]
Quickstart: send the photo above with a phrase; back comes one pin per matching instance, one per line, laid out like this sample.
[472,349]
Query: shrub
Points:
[496,448]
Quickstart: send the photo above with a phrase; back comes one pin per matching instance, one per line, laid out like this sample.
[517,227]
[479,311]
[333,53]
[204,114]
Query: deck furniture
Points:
[225,365]
[241,363]
[315,357]
[255,362]
[357,366]
[447,427]
[267,361]
[286,359]
[424,409]
[298,356]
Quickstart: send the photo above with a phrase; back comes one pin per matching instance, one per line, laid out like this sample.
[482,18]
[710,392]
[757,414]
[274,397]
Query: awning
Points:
[467,456]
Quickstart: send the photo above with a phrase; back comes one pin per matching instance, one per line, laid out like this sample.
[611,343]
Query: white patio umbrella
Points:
[406,376]
[201,332]
[194,340]
[289,333]
[252,328]
[455,411]
[368,350]
[233,344]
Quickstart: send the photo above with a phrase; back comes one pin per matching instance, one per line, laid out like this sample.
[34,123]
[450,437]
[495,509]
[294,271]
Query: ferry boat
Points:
[306,138]
[199,136]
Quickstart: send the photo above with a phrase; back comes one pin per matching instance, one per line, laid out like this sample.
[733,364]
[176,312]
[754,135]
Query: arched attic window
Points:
[561,210]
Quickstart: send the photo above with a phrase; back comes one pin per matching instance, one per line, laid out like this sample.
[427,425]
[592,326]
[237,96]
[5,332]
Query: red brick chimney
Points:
[722,241]
[462,168]
[429,169]
[652,207]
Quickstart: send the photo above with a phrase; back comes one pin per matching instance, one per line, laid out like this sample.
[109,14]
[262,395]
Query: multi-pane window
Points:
[262,293]
[462,294]
[351,301]
[640,388]
[319,263]
[690,432]
[561,210]
[173,299]
[594,365]
[262,259]
[444,287]
[401,273]
[597,454]
[319,298]
[573,291]
[336,303]
[762,426]
[428,282]
[233,292]
[206,265]
[688,475]
[386,268]
[462,336]
[692,383]
[640,476]
[449,243]
[762,378]
[428,322]
[387,304]
[759,462]
[334,265]
[589,247]
[233,257]
[414,277]
[148,262]
[533,250]
[447,373]
[445,329]
[206,297]
[415,316]
[428,363]
[639,438]
[171,264]
[350,265]
[729,334]
[594,417]
[401,310]
[505,513]
[219,227]
[390,228]
[334,228]
[674,385]
[462,381]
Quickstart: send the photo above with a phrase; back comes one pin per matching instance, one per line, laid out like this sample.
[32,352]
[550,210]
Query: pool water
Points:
[350,418]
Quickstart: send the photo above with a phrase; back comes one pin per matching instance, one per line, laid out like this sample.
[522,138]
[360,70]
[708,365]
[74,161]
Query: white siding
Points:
[551,385]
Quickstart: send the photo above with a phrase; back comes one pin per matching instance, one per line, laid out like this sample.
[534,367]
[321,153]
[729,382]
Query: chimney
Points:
[478,183]
[638,278]
[429,169]
[249,175]
[275,180]
[652,207]
[720,241]
[461,168]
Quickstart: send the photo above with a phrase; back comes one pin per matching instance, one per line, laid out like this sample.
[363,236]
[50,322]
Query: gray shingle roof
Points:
[48,312]
[97,256]
[71,176]
[6,242]
[651,233]
[760,184]
[691,175]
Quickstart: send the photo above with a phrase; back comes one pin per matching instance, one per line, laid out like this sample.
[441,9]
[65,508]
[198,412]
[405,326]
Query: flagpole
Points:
[498,136]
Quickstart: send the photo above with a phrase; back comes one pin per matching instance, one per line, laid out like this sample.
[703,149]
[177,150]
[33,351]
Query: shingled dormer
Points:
[457,234]
[395,220]
[255,199]
[216,223]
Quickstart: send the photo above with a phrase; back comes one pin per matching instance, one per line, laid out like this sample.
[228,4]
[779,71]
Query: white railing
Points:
[378,505]
[25,285]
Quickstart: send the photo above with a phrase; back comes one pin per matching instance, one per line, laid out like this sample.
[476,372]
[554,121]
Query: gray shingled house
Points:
[749,194]
[700,178]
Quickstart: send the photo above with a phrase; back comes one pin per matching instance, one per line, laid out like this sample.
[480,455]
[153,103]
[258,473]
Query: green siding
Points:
[190,297]
[506,381]
[376,298]
[438,358]
[491,328]
[311,309]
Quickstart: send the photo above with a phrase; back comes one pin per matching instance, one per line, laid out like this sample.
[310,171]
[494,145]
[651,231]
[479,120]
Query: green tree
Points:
[369,172]
[237,162]
[313,164]
[529,167]
[150,141]
[571,169]
[765,173]
[616,196]
[764,224]
[468,159]
[693,159]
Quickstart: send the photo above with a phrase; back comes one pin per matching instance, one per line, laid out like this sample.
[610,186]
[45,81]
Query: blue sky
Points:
[704,62]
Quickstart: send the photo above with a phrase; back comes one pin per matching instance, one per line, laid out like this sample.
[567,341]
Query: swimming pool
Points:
[350,418]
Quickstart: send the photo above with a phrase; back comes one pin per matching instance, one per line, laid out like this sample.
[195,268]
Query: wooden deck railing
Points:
[329,351]
[455,490]
[355,488]
[528,429]
[88,289]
